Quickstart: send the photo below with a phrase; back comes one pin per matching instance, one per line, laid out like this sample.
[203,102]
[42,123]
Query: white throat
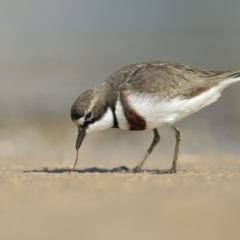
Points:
[103,123]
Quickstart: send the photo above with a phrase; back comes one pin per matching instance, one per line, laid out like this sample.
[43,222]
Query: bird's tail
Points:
[234,74]
[227,78]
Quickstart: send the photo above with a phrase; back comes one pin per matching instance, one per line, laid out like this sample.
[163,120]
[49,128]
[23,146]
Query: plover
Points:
[146,96]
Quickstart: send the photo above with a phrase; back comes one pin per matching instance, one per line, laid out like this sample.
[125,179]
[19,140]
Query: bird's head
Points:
[91,113]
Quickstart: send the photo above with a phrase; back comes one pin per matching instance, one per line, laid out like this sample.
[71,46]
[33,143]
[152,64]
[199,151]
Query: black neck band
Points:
[115,121]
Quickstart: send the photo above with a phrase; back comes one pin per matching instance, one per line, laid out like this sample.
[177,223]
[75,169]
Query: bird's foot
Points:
[137,169]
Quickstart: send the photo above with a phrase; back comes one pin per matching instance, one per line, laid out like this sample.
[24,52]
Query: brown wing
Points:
[164,79]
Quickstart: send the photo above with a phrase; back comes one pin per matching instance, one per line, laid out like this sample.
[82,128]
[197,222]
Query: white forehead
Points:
[81,120]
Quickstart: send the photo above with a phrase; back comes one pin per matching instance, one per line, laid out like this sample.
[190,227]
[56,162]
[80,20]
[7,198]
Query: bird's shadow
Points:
[121,169]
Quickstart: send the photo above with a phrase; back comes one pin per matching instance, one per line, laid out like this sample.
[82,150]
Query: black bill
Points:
[80,137]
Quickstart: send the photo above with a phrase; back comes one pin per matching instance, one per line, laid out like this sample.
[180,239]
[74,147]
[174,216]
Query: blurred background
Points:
[51,51]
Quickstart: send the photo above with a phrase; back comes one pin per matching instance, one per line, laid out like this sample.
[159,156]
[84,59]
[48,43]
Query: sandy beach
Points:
[40,200]
[189,205]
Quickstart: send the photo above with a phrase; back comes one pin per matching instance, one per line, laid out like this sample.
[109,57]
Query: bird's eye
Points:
[88,115]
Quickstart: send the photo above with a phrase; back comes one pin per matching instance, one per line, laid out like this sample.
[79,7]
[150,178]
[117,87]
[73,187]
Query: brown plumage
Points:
[116,102]
[167,79]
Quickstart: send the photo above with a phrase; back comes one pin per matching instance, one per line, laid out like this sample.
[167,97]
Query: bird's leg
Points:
[173,169]
[155,141]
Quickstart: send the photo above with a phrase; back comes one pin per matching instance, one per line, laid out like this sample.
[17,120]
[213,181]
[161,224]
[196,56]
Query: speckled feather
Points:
[165,79]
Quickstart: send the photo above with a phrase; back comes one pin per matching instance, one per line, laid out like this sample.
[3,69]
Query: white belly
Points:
[158,111]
